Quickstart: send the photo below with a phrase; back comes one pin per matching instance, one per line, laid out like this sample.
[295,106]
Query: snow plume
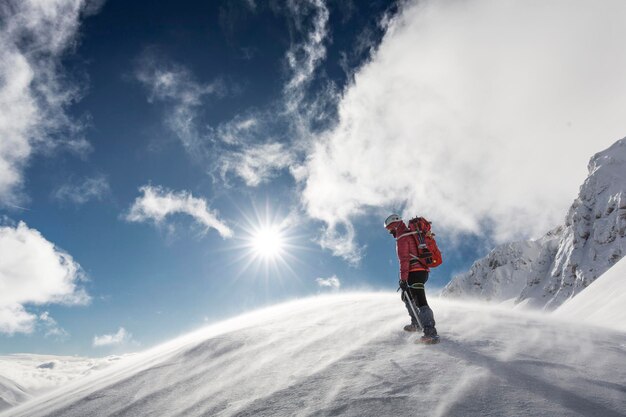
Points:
[478,114]
[157,203]
[332,282]
[119,338]
[343,355]
[176,87]
[34,95]
[34,271]
[94,188]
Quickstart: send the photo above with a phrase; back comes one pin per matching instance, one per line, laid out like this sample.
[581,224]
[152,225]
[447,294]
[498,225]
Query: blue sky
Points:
[145,144]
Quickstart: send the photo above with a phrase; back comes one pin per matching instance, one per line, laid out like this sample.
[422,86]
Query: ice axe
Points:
[412,304]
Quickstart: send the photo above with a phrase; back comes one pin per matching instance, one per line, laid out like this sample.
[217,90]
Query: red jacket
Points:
[406,247]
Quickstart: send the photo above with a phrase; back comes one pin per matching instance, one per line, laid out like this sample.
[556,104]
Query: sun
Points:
[267,242]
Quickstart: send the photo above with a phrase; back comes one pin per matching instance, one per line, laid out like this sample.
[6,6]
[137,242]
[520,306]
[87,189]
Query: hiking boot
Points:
[412,328]
[429,340]
[428,321]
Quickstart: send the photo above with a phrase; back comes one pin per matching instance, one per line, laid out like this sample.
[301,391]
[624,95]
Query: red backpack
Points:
[428,252]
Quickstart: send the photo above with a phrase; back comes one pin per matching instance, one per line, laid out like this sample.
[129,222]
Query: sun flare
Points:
[267,243]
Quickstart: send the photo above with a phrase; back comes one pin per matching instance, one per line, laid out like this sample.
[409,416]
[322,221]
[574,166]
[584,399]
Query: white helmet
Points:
[392,219]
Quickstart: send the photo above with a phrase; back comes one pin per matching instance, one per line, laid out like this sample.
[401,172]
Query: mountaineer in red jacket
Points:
[413,276]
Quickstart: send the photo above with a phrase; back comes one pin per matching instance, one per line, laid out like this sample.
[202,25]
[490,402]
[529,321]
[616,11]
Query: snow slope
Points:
[11,393]
[23,376]
[347,355]
[546,272]
[603,303]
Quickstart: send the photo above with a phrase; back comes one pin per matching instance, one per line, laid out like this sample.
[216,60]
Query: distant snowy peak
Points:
[507,270]
[595,229]
[546,272]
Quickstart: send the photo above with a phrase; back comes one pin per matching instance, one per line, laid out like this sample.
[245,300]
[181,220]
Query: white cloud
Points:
[34,95]
[95,188]
[239,130]
[258,163]
[480,115]
[51,326]
[15,319]
[33,271]
[332,282]
[339,238]
[119,338]
[157,203]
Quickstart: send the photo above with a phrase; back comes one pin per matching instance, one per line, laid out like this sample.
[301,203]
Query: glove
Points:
[404,286]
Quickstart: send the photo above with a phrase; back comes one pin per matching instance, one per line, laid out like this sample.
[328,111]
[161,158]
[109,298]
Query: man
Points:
[413,276]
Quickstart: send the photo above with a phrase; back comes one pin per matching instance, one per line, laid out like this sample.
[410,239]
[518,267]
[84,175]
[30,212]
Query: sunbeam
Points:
[269,246]
[267,242]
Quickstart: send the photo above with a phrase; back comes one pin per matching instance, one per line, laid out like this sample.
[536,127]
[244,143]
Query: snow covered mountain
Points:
[603,303]
[25,376]
[548,271]
[347,355]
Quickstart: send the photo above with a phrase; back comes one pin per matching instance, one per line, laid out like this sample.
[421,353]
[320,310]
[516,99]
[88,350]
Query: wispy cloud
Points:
[51,327]
[156,204]
[266,141]
[340,238]
[33,271]
[240,130]
[175,86]
[95,188]
[467,116]
[34,93]
[331,282]
[258,163]
[293,114]
[304,57]
[92,7]
[120,338]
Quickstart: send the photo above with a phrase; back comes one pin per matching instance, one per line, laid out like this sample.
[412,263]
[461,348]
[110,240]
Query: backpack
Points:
[428,252]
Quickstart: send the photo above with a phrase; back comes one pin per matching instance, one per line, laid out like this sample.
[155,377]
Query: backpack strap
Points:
[406,234]
[419,238]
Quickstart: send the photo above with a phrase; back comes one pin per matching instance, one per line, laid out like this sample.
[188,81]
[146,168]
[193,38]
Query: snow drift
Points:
[603,303]
[11,393]
[347,355]
[546,272]
[25,376]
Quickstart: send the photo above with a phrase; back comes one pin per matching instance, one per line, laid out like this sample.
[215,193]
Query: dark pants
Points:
[419,295]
